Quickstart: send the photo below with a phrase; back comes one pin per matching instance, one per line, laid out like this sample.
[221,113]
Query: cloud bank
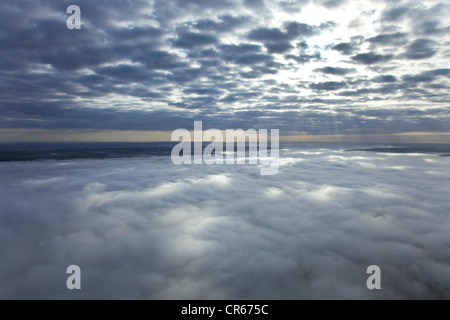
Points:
[146,229]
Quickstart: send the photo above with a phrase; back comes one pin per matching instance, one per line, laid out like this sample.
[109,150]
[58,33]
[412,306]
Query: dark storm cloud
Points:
[336,71]
[371,58]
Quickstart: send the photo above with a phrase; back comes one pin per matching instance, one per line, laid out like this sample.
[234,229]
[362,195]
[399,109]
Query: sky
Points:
[144,228]
[140,68]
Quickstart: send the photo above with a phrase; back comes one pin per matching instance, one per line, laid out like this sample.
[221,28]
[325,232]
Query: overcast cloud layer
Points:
[328,66]
[144,228]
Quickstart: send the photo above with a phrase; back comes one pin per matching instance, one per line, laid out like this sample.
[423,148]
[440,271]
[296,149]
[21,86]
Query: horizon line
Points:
[138,136]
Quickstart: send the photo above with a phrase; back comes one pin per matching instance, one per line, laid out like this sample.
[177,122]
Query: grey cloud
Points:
[297,5]
[296,29]
[279,47]
[396,13]
[393,39]
[255,5]
[328,86]
[159,60]
[234,50]
[189,40]
[185,75]
[329,25]
[268,34]
[203,91]
[348,48]
[205,4]
[423,20]
[385,79]
[427,76]
[421,49]
[336,70]
[258,72]
[304,58]
[278,41]
[41,116]
[384,90]
[433,28]
[241,96]
[43,38]
[225,23]
[253,58]
[371,58]
[292,6]
[125,72]
[53,78]
[292,31]
[147,34]
[303,45]
[345,48]
[332,3]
